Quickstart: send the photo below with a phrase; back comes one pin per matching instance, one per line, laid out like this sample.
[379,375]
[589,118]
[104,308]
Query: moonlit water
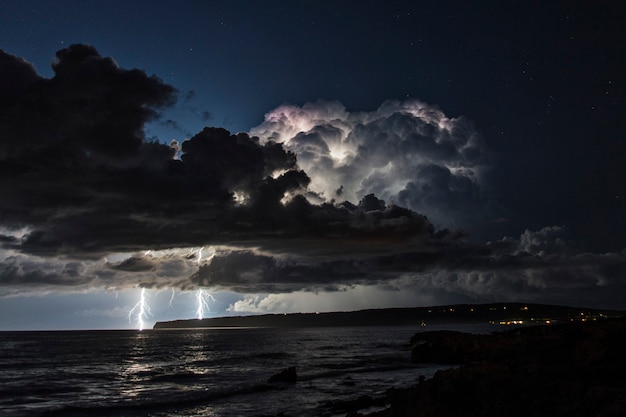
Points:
[204,372]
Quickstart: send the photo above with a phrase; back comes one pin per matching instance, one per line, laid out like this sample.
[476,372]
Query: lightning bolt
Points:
[141,310]
[172,297]
[202,298]
[200,254]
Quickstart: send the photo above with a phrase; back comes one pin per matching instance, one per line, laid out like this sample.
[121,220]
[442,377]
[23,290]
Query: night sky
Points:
[307,156]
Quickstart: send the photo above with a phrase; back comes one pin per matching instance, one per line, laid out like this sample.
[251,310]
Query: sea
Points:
[213,372]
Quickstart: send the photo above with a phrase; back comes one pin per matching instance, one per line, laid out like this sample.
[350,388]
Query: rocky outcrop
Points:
[575,369]
[447,347]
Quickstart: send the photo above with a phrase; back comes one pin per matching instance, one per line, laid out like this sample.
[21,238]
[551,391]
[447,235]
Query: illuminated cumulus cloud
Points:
[409,153]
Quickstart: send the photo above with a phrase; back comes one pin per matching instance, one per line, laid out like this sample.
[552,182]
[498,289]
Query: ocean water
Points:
[203,372]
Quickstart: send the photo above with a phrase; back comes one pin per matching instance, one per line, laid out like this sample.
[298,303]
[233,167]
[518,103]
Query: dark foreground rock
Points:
[576,369]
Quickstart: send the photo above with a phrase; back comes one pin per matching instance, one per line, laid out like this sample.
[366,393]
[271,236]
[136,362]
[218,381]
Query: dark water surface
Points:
[201,372]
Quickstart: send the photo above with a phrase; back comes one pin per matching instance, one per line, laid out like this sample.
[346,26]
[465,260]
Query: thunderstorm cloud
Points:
[407,152]
[316,199]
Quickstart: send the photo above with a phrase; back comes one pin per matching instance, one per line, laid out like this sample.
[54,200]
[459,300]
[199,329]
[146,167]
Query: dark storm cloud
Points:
[249,272]
[87,201]
[89,106]
[77,172]
[16,77]
[19,271]
[134,264]
[456,271]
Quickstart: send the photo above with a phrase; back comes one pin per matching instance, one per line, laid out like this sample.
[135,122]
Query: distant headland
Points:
[496,313]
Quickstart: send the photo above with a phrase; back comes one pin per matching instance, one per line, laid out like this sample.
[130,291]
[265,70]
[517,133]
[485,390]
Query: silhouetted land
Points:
[565,370]
[498,313]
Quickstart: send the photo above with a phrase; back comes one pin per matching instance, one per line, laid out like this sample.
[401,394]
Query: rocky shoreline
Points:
[572,369]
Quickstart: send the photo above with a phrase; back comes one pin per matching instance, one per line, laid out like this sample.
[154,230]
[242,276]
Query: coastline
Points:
[495,313]
[570,369]
[539,360]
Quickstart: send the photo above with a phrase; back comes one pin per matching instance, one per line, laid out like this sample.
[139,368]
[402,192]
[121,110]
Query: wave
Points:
[167,401]
[341,372]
